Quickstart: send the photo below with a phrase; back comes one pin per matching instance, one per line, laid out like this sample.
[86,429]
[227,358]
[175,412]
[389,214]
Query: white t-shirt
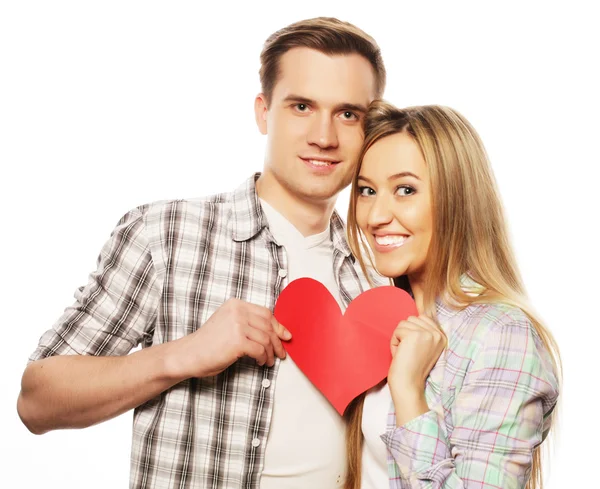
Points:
[374,424]
[306,442]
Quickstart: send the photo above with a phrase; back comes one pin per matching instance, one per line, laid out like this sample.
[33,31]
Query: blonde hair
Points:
[469,232]
[325,34]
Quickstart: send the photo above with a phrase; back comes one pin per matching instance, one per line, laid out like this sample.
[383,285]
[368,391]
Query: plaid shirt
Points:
[164,271]
[491,396]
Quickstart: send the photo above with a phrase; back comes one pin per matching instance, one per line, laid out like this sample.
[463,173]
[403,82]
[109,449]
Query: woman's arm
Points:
[495,422]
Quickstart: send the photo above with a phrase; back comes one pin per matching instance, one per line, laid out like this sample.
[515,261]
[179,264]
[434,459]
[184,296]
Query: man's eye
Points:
[405,190]
[349,116]
[301,107]
[365,191]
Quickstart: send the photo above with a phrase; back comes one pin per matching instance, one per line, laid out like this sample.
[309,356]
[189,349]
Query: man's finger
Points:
[261,311]
[281,331]
[264,339]
[256,351]
[268,328]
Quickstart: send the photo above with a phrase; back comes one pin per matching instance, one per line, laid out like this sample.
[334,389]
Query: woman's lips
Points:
[389,242]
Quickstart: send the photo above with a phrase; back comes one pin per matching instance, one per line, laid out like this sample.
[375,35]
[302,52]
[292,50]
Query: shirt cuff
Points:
[420,447]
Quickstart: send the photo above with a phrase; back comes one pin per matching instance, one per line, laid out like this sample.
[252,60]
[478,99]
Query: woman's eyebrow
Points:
[403,174]
[392,177]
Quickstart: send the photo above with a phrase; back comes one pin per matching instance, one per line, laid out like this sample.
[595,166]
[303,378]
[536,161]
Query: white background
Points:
[108,105]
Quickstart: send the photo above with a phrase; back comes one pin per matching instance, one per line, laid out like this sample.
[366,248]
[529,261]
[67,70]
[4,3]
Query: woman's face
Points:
[393,207]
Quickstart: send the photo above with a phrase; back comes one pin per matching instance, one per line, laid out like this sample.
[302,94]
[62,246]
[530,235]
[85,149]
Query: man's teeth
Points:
[390,240]
[320,162]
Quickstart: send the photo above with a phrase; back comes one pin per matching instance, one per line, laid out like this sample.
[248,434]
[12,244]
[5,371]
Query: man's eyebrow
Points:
[351,107]
[338,108]
[299,99]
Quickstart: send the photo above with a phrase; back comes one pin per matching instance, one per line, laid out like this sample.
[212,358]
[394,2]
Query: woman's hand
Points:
[416,345]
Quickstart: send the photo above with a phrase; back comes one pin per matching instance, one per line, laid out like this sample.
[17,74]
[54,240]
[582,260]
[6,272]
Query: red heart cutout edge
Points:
[343,355]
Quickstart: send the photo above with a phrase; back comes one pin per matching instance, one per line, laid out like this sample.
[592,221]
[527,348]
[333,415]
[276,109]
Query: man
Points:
[195,283]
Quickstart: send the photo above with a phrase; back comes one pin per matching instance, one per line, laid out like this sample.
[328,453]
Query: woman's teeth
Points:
[390,240]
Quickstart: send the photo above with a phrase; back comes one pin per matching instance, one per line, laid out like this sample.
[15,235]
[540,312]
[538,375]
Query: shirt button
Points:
[282,272]
[255,442]
[266,383]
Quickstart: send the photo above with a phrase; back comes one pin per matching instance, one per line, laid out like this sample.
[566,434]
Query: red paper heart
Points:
[342,355]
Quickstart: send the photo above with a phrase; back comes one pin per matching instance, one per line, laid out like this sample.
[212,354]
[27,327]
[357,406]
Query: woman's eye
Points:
[405,190]
[365,191]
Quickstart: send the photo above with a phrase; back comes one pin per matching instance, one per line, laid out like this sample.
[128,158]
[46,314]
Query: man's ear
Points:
[260,112]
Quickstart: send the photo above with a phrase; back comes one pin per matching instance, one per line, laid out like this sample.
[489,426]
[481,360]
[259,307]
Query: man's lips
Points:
[319,162]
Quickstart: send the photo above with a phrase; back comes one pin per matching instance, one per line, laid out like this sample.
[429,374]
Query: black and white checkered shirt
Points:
[164,271]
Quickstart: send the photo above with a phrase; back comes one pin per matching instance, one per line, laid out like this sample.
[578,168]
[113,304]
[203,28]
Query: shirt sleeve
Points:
[117,307]
[500,415]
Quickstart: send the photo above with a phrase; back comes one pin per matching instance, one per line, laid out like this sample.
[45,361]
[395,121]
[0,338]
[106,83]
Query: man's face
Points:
[314,122]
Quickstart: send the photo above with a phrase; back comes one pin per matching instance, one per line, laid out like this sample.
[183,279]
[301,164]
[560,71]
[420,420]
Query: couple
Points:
[473,380]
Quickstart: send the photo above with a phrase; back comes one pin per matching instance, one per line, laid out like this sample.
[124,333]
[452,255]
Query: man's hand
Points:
[235,330]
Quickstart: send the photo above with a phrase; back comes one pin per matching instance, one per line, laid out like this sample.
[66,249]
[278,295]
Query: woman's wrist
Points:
[409,401]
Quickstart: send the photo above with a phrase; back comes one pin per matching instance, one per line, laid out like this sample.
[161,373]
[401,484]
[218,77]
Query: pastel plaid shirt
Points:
[164,271]
[491,395]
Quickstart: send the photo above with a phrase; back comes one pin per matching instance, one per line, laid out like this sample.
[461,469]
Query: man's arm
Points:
[76,391]
[81,374]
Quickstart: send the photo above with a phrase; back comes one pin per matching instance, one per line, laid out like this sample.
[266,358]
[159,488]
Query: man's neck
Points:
[307,217]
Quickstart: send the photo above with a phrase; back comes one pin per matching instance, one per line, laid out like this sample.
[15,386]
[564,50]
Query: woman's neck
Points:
[416,285]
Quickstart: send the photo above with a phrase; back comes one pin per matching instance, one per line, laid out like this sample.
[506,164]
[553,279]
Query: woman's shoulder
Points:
[483,318]
[498,339]
[500,331]
[479,314]
[497,333]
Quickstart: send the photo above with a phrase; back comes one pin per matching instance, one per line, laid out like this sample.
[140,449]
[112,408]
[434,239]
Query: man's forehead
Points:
[326,79]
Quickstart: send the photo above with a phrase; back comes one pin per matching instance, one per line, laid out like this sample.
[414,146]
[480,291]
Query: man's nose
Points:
[323,132]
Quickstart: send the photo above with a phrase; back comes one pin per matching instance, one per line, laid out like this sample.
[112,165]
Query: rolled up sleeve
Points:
[117,306]
[498,418]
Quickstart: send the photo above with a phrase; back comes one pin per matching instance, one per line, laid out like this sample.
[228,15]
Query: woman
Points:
[470,400]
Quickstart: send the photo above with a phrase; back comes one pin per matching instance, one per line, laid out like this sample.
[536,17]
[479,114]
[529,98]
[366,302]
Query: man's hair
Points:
[325,34]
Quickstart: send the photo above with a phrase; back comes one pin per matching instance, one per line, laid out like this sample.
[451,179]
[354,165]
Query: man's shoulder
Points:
[180,209]
[189,207]
[192,216]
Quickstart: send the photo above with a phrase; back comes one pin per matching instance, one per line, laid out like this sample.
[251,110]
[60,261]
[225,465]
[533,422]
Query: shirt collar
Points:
[468,286]
[249,218]
[338,235]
